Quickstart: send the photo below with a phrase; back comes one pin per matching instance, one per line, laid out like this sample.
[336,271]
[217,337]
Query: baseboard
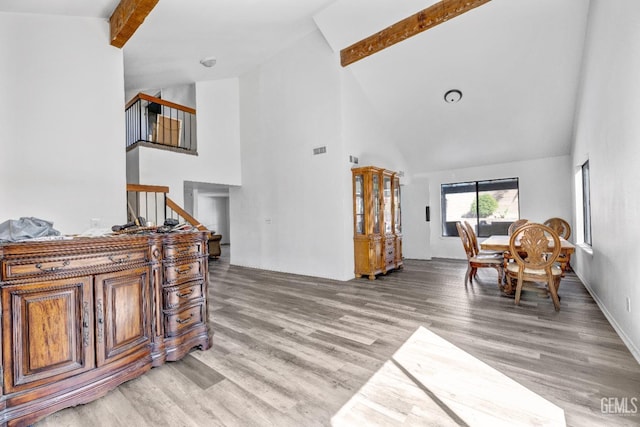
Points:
[635,352]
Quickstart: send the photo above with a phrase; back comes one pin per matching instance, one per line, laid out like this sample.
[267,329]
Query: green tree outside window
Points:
[487,205]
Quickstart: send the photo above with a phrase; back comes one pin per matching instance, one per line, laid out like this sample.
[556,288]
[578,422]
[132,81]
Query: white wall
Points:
[364,131]
[218,159]
[416,231]
[133,166]
[291,211]
[61,121]
[213,213]
[544,189]
[183,95]
[607,134]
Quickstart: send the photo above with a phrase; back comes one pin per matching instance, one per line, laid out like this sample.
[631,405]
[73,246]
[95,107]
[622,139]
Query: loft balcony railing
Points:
[156,122]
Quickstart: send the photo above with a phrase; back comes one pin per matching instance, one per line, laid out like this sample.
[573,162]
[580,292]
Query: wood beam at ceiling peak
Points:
[126,18]
[408,27]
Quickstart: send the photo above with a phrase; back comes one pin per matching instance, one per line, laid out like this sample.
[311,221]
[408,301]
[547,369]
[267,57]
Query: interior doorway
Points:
[209,204]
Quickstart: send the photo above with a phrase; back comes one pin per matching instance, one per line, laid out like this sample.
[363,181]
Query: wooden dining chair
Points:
[535,259]
[474,242]
[515,224]
[563,229]
[474,262]
[560,226]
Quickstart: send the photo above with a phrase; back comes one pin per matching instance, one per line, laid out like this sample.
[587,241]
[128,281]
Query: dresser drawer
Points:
[176,323]
[177,273]
[33,267]
[183,250]
[389,254]
[390,263]
[177,296]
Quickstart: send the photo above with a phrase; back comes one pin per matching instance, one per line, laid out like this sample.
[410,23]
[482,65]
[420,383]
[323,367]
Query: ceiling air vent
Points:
[320,150]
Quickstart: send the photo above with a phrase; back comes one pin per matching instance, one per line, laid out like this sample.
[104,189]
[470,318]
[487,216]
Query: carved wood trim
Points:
[408,27]
[126,18]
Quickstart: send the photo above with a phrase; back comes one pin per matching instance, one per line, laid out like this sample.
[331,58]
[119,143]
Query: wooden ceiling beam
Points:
[127,17]
[408,27]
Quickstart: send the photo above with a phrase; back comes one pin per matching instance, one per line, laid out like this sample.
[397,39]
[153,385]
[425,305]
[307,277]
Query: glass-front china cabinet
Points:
[376,221]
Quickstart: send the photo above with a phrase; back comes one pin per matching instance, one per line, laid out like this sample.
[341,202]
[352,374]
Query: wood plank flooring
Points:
[429,381]
[292,350]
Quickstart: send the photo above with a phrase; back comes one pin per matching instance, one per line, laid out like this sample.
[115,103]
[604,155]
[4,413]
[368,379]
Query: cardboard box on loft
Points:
[167,131]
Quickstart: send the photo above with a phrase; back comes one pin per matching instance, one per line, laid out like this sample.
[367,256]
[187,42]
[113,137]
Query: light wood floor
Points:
[293,350]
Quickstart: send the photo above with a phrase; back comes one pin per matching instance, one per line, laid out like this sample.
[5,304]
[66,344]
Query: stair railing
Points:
[152,203]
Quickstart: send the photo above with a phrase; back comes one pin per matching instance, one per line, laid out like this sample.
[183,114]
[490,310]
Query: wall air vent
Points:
[320,150]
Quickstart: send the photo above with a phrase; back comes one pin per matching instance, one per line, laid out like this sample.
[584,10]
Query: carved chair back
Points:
[535,247]
[560,226]
[515,225]
[466,240]
[472,236]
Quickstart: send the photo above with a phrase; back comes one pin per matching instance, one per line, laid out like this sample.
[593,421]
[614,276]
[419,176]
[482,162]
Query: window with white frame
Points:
[586,203]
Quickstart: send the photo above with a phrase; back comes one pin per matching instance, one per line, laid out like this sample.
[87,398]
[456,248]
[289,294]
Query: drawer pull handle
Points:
[184,251]
[185,320]
[186,294]
[100,320]
[85,324]
[184,270]
[52,269]
[119,260]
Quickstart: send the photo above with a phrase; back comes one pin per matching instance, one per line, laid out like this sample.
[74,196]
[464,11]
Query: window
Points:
[489,206]
[586,203]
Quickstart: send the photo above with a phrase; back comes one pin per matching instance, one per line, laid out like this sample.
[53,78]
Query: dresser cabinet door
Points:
[123,326]
[48,332]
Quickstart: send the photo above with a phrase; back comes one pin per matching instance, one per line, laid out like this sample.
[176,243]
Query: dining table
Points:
[500,243]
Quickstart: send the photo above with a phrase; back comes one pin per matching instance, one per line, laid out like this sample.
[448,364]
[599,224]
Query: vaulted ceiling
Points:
[516,62]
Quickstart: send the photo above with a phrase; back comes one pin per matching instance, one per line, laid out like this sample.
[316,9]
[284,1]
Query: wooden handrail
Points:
[147,188]
[159,101]
[191,220]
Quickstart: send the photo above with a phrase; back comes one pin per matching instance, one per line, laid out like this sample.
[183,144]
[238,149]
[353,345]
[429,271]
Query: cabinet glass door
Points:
[396,201]
[386,186]
[359,203]
[376,203]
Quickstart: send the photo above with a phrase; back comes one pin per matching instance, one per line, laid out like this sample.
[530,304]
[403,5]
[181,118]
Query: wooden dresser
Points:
[81,316]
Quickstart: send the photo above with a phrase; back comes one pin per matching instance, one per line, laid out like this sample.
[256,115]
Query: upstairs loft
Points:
[158,123]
